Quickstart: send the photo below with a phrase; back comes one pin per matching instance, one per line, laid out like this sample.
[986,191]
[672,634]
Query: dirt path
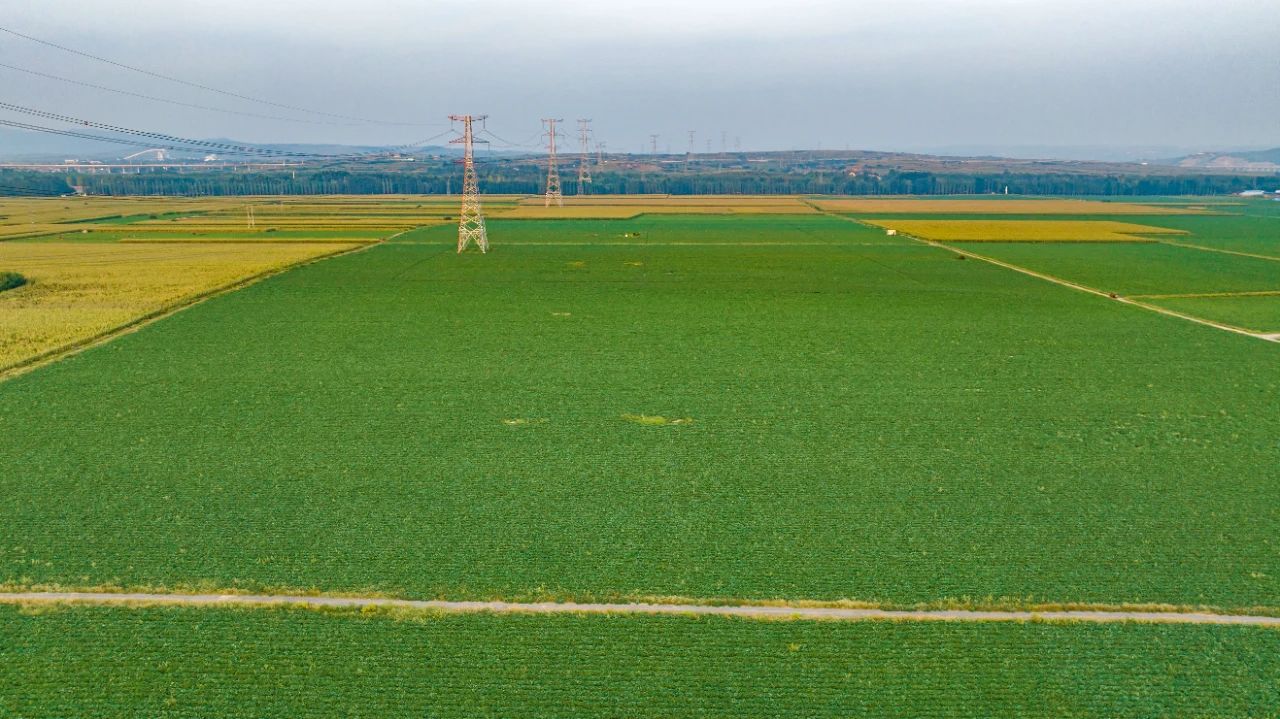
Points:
[753,612]
[1083,288]
[1188,245]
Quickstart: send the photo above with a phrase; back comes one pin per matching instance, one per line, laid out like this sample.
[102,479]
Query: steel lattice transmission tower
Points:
[584,172]
[553,172]
[470,219]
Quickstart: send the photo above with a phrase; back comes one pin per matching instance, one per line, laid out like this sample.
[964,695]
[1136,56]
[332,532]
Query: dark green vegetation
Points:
[261,663]
[871,419]
[11,280]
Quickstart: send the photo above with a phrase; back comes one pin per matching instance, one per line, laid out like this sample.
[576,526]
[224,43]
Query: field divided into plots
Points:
[871,420]
[849,415]
[1220,263]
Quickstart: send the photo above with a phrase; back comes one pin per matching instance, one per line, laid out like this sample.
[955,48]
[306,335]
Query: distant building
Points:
[1253,193]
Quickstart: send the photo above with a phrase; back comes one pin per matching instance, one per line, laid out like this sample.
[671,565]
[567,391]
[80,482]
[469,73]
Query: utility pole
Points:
[470,220]
[584,139]
[553,172]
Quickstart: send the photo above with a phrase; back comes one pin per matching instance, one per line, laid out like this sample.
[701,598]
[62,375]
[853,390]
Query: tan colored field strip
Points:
[774,612]
[79,291]
[907,206]
[673,201]
[1024,230]
[622,212]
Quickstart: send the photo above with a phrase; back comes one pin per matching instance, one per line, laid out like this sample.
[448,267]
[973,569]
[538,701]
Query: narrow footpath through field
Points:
[1092,290]
[777,611]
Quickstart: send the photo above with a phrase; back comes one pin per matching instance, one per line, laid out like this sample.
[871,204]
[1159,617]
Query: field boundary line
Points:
[1202,248]
[747,611]
[60,353]
[1207,295]
[1079,287]
[1100,293]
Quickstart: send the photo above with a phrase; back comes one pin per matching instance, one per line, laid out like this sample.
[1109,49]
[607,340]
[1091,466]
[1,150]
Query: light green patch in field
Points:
[651,420]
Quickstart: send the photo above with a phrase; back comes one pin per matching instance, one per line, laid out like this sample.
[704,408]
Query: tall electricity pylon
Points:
[653,144]
[584,172]
[600,153]
[553,173]
[470,220]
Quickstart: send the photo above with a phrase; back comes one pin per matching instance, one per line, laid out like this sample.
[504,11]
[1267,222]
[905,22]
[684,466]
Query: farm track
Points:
[1219,250]
[1085,288]
[784,612]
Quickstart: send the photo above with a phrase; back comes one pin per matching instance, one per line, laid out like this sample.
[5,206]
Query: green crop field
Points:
[1139,269]
[1259,313]
[878,423]
[263,663]
[703,408]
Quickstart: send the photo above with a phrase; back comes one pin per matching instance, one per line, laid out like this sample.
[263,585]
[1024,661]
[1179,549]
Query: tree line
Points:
[527,178]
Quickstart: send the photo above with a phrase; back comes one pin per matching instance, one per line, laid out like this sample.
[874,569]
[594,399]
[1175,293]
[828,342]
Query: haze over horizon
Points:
[914,75]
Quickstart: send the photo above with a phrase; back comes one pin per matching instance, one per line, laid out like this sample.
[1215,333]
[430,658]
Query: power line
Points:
[179,144]
[188,83]
[206,144]
[527,143]
[166,100]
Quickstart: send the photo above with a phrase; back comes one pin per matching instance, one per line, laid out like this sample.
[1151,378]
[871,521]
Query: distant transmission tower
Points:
[553,173]
[653,144]
[600,153]
[470,220]
[691,136]
[724,141]
[584,172]
[248,217]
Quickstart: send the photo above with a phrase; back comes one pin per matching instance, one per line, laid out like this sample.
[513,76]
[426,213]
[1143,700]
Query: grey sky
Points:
[903,74]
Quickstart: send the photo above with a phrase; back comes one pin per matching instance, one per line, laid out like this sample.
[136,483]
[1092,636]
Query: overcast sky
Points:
[863,74]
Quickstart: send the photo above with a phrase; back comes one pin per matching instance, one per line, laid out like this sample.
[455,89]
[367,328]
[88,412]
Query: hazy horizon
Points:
[911,76]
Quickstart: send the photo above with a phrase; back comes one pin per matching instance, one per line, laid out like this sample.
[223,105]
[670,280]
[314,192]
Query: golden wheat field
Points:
[607,211]
[77,291]
[911,206]
[674,200]
[1025,230]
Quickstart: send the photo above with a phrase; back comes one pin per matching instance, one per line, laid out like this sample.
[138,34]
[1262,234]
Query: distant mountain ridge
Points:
[1247,160]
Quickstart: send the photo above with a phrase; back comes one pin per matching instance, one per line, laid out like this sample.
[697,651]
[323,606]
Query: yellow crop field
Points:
[1025,230]
[622,212]
[906,206]
[78,291]
[676,200]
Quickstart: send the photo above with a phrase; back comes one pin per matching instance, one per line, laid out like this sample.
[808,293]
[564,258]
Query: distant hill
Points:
[1246,160]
